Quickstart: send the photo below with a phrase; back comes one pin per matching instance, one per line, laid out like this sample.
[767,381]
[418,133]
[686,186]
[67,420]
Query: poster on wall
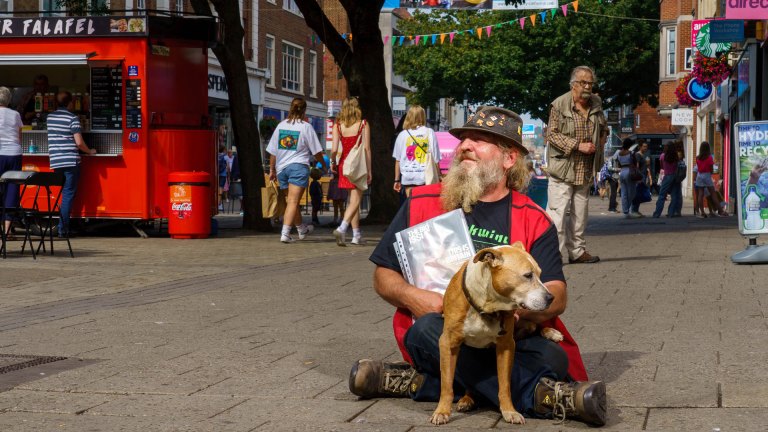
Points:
[752,166]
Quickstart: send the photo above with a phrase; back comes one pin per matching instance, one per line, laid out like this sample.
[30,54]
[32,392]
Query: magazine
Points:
[431,252]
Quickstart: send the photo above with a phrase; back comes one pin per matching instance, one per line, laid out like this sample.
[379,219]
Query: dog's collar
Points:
[499,315]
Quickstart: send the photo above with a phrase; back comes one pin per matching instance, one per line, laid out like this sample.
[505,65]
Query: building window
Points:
[290,6]
[270,61]
[670,41]
[180,7]
[141,4]
[51,8]
[6,5]
[293,67]
[163,5]
[312,74]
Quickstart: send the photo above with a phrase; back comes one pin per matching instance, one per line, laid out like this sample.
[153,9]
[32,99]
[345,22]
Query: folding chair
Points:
[8,178]
[47,188]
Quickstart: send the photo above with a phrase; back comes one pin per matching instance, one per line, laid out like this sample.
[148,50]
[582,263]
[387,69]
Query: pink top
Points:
[669,168]
[705,166]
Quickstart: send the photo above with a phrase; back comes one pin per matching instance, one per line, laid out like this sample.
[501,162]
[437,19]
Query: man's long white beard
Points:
[463,186]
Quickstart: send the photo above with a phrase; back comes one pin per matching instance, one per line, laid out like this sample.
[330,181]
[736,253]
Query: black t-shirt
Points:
[489,226]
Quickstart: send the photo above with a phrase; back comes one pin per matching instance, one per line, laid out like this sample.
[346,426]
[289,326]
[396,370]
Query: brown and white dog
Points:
[478,308]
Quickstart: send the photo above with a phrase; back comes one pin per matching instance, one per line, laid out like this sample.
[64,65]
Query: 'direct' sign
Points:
[682,117]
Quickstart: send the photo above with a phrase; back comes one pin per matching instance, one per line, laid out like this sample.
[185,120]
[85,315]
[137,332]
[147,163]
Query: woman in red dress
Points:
[350,127]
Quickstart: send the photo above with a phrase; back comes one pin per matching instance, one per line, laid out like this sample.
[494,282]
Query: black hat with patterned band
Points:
[501,122]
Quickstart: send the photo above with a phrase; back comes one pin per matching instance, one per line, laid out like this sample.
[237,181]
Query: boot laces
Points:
[397,381]
[563,403]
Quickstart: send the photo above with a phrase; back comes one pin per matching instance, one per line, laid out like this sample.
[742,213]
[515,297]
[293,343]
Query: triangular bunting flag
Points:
[394,41]
[418,38]
[450,36]
[386,39]
[425,40]
[434,38]
[442,38]
[488,31]
[554,12]
[402,38]
[479,31]
[533,20]
[565,9]
[522,23]
[543,16]
[344,36]
[575,6]
[499,25]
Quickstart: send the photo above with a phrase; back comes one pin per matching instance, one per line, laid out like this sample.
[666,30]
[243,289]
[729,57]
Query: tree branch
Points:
[316,19]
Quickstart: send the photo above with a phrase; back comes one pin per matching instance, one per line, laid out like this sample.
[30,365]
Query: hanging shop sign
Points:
[752,160]
[705,45]
[682,117]
[726,30]
[746,9]
[699,91]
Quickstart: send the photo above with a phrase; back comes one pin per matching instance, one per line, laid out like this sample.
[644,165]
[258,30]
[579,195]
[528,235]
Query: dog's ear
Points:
[519,245]
[491,256]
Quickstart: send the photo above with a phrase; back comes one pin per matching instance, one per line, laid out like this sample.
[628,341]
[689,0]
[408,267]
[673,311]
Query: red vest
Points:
[528,222]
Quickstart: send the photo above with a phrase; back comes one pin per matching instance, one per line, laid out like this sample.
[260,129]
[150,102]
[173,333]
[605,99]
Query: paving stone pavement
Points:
[243,333]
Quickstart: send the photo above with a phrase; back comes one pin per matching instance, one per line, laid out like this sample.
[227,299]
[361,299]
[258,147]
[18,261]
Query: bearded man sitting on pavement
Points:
[486,180]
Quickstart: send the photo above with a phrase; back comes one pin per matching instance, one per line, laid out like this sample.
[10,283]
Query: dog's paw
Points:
[439,418]
[466,403]
[513,417]
[552,334]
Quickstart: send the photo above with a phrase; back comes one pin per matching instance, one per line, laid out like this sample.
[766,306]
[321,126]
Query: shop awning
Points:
[45,59]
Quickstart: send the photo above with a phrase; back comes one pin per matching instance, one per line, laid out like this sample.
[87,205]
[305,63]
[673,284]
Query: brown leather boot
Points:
[581,400]
[375,378]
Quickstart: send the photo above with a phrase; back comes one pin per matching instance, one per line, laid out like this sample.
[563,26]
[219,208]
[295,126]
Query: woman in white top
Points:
[290,148]
[10,150]
[411,147]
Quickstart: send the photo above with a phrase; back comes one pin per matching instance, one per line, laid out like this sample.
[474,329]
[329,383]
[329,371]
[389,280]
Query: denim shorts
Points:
[296,174]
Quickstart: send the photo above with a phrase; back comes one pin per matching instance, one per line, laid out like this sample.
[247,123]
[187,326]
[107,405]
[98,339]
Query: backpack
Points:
[682,171]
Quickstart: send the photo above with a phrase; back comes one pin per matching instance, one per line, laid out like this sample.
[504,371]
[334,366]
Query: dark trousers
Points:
[71,177]
[9,191]
[535,357]
[613,184]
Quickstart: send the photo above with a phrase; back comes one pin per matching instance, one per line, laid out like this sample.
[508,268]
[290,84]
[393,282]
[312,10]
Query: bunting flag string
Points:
[426,38]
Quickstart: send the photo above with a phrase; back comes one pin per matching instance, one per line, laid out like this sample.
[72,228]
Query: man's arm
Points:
[560,294]
[393,288]
[563,142]
[81,144]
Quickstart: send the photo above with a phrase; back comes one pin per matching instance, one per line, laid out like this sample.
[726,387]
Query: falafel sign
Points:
[51,27]
[752,157]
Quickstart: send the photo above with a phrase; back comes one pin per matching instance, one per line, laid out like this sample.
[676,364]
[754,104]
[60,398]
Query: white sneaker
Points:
[341,237]
[359,241]
[303,235]
[286,239]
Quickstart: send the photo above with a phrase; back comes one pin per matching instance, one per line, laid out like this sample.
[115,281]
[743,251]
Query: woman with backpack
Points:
[674,172]
[410,152]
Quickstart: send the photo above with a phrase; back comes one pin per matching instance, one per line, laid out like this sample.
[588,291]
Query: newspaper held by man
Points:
[431,252]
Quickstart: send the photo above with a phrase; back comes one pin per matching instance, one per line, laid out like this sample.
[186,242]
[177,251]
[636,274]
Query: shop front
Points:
[139,90]
[218,99]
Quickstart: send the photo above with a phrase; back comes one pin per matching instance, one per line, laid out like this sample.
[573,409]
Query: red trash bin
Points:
[190,199]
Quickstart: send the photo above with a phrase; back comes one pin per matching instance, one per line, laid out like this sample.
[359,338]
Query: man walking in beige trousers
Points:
[576,135]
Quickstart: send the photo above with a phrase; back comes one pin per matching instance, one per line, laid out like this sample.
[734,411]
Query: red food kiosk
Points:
[140,89]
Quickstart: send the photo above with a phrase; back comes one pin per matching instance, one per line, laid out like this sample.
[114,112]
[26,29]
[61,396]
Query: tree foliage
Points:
[525,70]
